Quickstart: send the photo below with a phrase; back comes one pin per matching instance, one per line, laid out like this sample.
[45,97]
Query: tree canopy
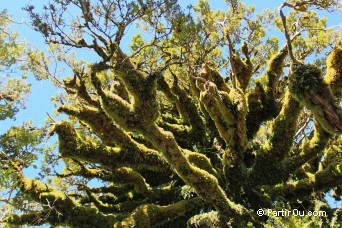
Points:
[199,119]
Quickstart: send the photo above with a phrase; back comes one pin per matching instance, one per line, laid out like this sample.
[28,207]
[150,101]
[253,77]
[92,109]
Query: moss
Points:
[193,176]
[89,217]
[68,211]
[228,111]
[240,111]
[321,181]
[129,176]
[275,69]
[333,153]
[283,128]
[73,146]
[308,87]
[206,220]
[214,76]
[334,70]
[243,70]
[261,107]
[150,215]
[214,106]
[304,79]
[200,161]
[278,145]
[310,149]
[16,220]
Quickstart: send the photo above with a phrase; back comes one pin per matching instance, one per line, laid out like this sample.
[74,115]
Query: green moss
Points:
[304,79]
[334,70]
[310,149]
[261,107]
[129,176]
[228,111]
[71,145]
[16,220]
[275,69]
[193,176]
[278,145]
[200,161]
[150,215]
[214,76]
[243,71]
[309,88]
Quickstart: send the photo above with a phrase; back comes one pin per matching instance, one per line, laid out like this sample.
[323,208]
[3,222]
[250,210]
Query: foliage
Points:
[20,146]
[12,89]
[167,139]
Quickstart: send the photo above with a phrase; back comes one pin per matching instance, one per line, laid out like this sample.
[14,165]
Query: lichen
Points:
[309,88]
[334,70]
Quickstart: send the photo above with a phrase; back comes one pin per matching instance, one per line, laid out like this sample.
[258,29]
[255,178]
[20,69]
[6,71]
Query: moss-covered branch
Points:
[195,177]
[151,215]
[243,70]
[70,213]
[143,89]
[189,111]
[129,176]
[214,76]
[311,149]
[262,103]
[332,153]
[122,207]
[210,219]
[334,70]
[127,150]
[81,88]
[118,109]
[274,71]
[259,110]
[279,144]
[119,176]
[32,218]
[228,112]
[321,181]
[308,87]
[200,161]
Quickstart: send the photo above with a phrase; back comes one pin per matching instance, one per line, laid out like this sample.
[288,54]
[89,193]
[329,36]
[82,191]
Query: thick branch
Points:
[142,88]
[130,151]
[194,176]
[279,144]
[149,215]
[310,150]
[274,71]
[307,85]
[70,213]
[334,70]
[187,109]
[321,181]
[228,112]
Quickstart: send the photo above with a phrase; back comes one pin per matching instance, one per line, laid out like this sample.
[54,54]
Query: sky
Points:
[39,102]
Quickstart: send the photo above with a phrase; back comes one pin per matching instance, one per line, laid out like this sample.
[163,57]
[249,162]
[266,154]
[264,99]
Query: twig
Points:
[287,36]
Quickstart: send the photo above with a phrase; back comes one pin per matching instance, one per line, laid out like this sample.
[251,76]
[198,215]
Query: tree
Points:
[13,90]
[169,140]
[20,144]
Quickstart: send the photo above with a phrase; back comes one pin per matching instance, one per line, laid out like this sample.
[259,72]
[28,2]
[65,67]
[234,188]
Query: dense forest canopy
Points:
[200,119]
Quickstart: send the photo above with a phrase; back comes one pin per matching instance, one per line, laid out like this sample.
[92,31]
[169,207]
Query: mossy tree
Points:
[172,140]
